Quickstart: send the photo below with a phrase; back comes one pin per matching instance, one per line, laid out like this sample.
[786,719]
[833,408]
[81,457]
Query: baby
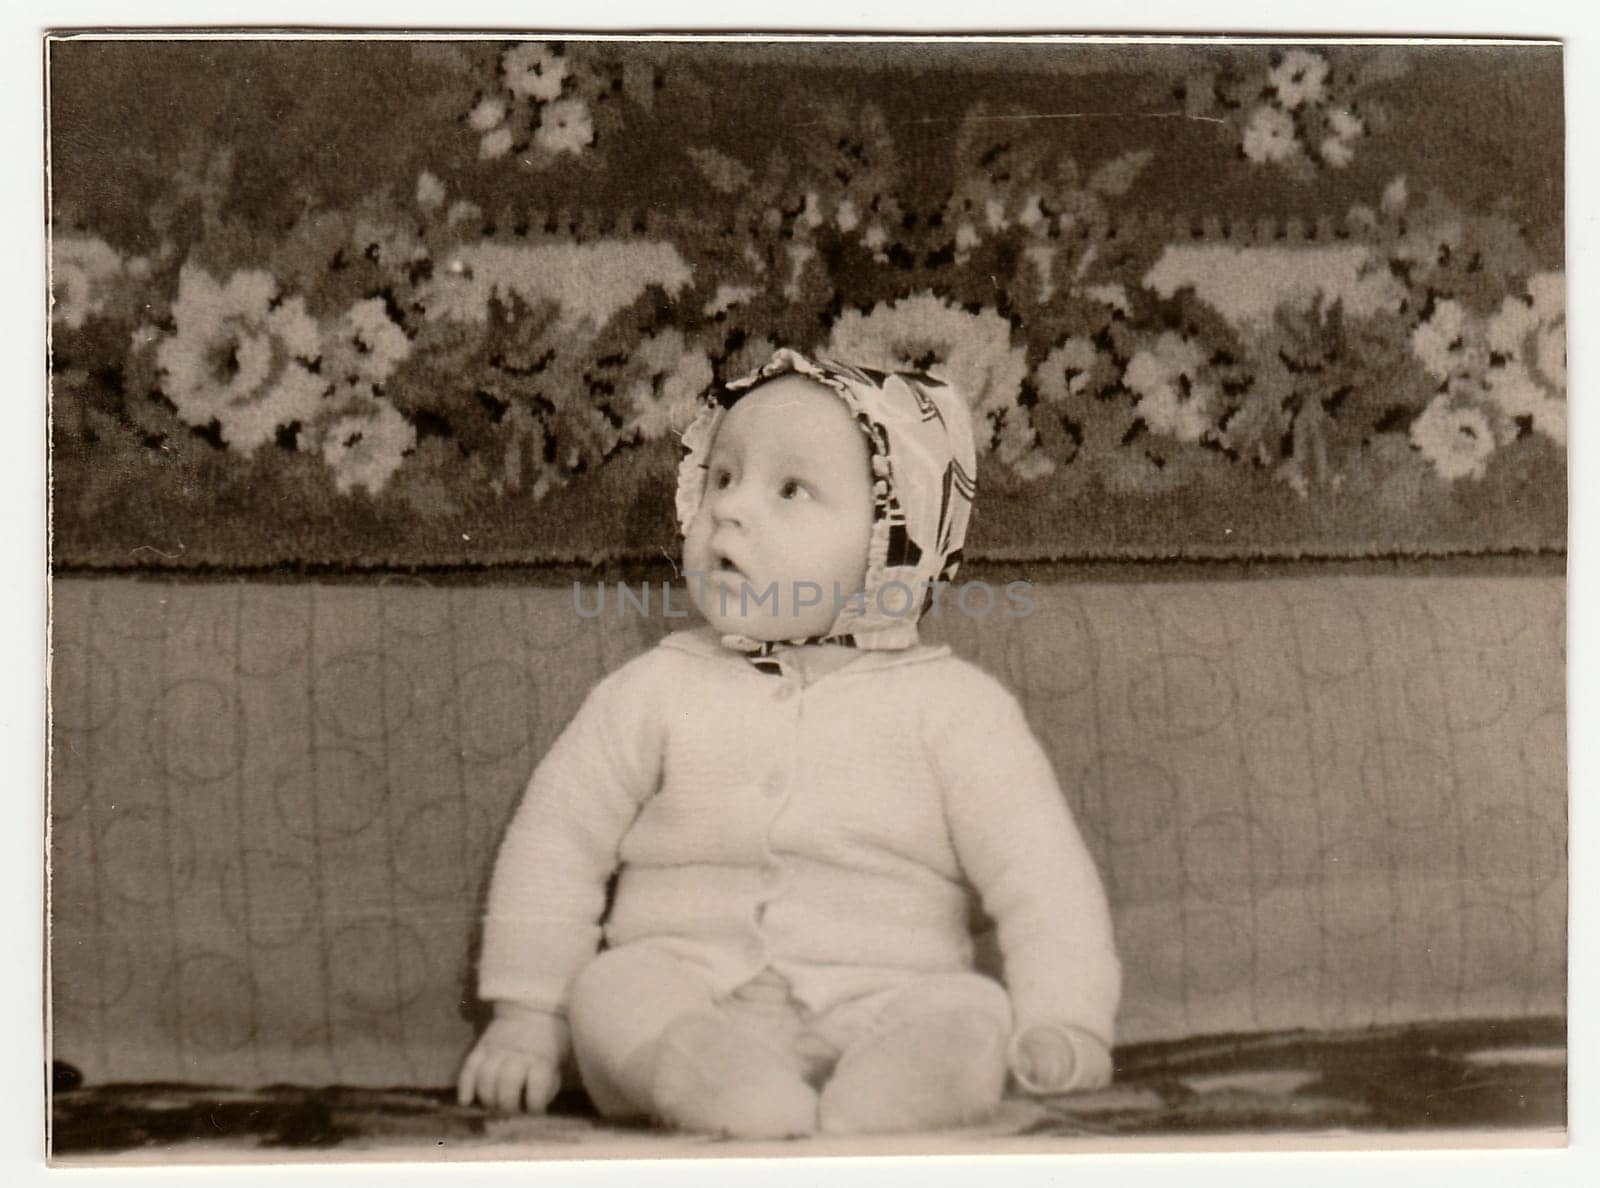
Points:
[799,801]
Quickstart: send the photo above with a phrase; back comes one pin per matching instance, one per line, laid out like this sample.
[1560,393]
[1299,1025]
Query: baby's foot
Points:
[718,1078]
[939,1069]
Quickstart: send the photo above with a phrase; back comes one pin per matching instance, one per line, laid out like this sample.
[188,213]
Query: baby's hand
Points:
[516,1063]
[1046,1058]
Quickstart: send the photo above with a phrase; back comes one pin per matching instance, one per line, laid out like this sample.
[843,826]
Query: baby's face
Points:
[787,514]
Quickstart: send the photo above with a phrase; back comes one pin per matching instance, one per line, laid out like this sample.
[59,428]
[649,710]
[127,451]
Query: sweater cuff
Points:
[1091,1060]
[533,962]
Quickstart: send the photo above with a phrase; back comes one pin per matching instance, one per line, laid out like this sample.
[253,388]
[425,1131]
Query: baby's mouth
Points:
[726,566]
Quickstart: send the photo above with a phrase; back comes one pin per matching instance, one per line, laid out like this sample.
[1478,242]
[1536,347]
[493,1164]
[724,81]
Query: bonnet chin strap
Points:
[761,653]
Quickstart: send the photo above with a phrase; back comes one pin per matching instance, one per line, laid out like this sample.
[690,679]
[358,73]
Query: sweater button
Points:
[785,691]
[773,786]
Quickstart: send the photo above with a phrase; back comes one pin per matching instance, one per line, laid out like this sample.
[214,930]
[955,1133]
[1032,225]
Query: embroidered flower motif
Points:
[1548,292]
[667,397]
[1456,440]
[1017,445]
[1043,257]
[1172,399]
[1508,330]
[533,70]
[1428,242]
[811,216]
[1112,294]
[495,144]
[1068,370]
[1033,465]
[365,446]
[1516,391]
[461,212]
[488,114]
[1344,123]
[430,191]
[1550,355]
[81,267]
[727,296]
[1439,343]
[240,356]
[1269,136]
[365,345]
[1527,372]
[1336,152]
[1032,216]
[1395,196]
[1297,113]
[924,333]
[565,126]
[390,246]
[1298,78]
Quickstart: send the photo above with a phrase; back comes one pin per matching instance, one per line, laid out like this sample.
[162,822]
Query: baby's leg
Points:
[721,1073]
[935,1055]
[620,1005]
[650,1041]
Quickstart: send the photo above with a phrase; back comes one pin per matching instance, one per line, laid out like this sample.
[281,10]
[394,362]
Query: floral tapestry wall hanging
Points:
[372,304]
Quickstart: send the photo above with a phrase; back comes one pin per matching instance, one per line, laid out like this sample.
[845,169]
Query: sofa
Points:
[1329,808]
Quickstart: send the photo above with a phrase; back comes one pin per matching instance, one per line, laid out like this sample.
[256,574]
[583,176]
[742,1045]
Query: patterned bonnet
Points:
[919,439]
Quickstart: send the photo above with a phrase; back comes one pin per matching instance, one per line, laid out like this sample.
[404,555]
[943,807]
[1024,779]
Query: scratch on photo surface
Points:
[1066,115]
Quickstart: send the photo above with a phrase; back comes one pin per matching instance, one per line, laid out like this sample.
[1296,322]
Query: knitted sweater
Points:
[832,832]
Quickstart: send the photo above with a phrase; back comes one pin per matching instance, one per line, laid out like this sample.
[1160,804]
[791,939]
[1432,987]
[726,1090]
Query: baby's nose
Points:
[732,503]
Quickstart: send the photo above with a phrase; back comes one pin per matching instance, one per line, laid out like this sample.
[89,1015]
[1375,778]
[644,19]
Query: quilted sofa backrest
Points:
[1316,803]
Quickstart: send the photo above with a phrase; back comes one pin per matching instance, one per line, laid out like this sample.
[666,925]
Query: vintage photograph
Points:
[665,597]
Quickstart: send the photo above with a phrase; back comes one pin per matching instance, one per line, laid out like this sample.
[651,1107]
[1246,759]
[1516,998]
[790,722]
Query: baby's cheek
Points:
[696,543]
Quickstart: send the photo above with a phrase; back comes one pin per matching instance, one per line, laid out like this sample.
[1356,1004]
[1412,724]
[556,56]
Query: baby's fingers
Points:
[482,1076]
[543,1085]
[467,1080]
[510,1077]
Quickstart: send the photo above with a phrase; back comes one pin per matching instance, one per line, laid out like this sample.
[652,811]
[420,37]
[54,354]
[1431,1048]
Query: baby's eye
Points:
[721,478]
[793,489]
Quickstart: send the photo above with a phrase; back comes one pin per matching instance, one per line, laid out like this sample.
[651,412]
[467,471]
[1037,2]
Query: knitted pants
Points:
[626,998]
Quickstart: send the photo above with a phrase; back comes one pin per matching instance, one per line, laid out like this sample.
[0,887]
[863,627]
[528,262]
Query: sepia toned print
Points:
[373,364]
